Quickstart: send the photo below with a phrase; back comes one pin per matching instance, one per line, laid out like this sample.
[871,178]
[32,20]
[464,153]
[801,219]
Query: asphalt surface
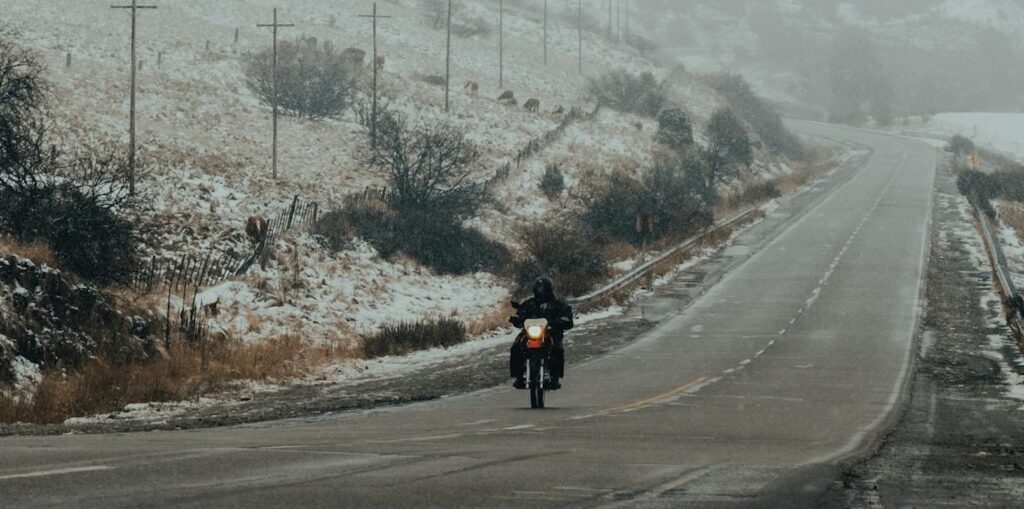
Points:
[794,361]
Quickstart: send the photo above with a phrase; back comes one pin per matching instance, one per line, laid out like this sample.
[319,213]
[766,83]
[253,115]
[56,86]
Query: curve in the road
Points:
[793,359]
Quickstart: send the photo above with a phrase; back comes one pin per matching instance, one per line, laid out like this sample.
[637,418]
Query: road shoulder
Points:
[958,441]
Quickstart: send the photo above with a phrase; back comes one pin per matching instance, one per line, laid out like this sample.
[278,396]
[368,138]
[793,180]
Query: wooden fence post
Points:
[291,212]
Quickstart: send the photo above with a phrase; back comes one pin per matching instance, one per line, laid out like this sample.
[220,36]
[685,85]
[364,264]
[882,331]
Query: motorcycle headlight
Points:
[535,332]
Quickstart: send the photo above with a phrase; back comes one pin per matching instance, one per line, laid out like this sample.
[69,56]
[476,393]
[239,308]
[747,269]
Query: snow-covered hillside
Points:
[208,137]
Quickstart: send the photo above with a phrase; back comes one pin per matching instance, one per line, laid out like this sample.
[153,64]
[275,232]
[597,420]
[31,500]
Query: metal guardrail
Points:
[1014,302]
[641,271]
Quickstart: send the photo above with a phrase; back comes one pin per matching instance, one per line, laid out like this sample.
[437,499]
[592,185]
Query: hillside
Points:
[950,55]
[204,137]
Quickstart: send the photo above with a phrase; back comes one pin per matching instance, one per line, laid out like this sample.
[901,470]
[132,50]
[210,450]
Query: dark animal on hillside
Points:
[507,97]
[532,105]
[473,87]
[380,63]
[256,228]
[433,79]
[212,308]
[354,56]
[559,110]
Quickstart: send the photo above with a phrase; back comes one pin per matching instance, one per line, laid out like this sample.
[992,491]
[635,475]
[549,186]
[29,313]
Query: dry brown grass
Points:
[1012,214]
[621,251]
[39,252]
[494,320]
[138,299]
[185,372]
[820,161]
[802,174]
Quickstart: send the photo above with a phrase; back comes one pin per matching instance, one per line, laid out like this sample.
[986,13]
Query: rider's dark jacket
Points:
[557,313]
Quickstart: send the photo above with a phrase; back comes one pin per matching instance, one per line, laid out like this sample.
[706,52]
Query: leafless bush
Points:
[313,81]
[26,150]
[430,168]
[553,182]
[643,45]
[641,94]
[560,248]
[665,200]
[960,145]
[471,27]
[85,212]
[78,202]
[436,12]
[362,107]
[765,121]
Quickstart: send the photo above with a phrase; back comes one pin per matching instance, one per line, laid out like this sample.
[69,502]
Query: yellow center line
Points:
[657,398]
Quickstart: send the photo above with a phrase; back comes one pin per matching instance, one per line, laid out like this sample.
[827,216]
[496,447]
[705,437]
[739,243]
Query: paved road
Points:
[790,363]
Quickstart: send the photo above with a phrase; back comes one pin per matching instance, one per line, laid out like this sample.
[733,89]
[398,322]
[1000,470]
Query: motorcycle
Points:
[537,342]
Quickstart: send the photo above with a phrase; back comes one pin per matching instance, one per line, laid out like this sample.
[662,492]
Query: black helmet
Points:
[543,289]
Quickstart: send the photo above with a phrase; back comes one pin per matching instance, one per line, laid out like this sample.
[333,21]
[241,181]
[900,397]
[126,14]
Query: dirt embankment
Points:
[960,441]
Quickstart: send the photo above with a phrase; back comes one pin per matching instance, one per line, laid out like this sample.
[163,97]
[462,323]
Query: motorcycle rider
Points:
[544,304]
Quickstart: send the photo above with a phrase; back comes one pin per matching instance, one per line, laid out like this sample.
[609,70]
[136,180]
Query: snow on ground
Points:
[1003,132]
[1011,243]
[1002,350]
[1007,15]
[208,136]
[328,298]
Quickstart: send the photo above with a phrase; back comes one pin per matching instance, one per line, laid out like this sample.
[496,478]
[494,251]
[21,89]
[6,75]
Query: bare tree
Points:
[430,169]
[24,131]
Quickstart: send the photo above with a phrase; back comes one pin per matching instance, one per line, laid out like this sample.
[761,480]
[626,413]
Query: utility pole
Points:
[373,108]
[273,87]
[609,20]
[131,115]
[579,30]
[545,32]
[448,61]
[501,44]
[618,18]
[627,18]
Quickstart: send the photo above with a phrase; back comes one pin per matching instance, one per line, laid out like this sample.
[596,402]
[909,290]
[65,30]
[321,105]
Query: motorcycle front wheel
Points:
[536,383]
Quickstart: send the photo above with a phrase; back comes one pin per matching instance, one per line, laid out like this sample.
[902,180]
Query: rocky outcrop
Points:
[53,322]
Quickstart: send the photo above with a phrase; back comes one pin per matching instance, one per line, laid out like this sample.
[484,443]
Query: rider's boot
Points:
[520,383]
[553,384]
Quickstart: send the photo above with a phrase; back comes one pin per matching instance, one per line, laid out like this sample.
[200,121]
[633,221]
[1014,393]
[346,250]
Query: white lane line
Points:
[518,427]
[61,471]
[897,391]
[816,293]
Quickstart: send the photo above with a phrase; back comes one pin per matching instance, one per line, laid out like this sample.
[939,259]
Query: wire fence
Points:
[539,144]
[209,268]
[193,271]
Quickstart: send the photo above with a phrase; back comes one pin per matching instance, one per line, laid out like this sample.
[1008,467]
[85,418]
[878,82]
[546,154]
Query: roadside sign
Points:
[974,161]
